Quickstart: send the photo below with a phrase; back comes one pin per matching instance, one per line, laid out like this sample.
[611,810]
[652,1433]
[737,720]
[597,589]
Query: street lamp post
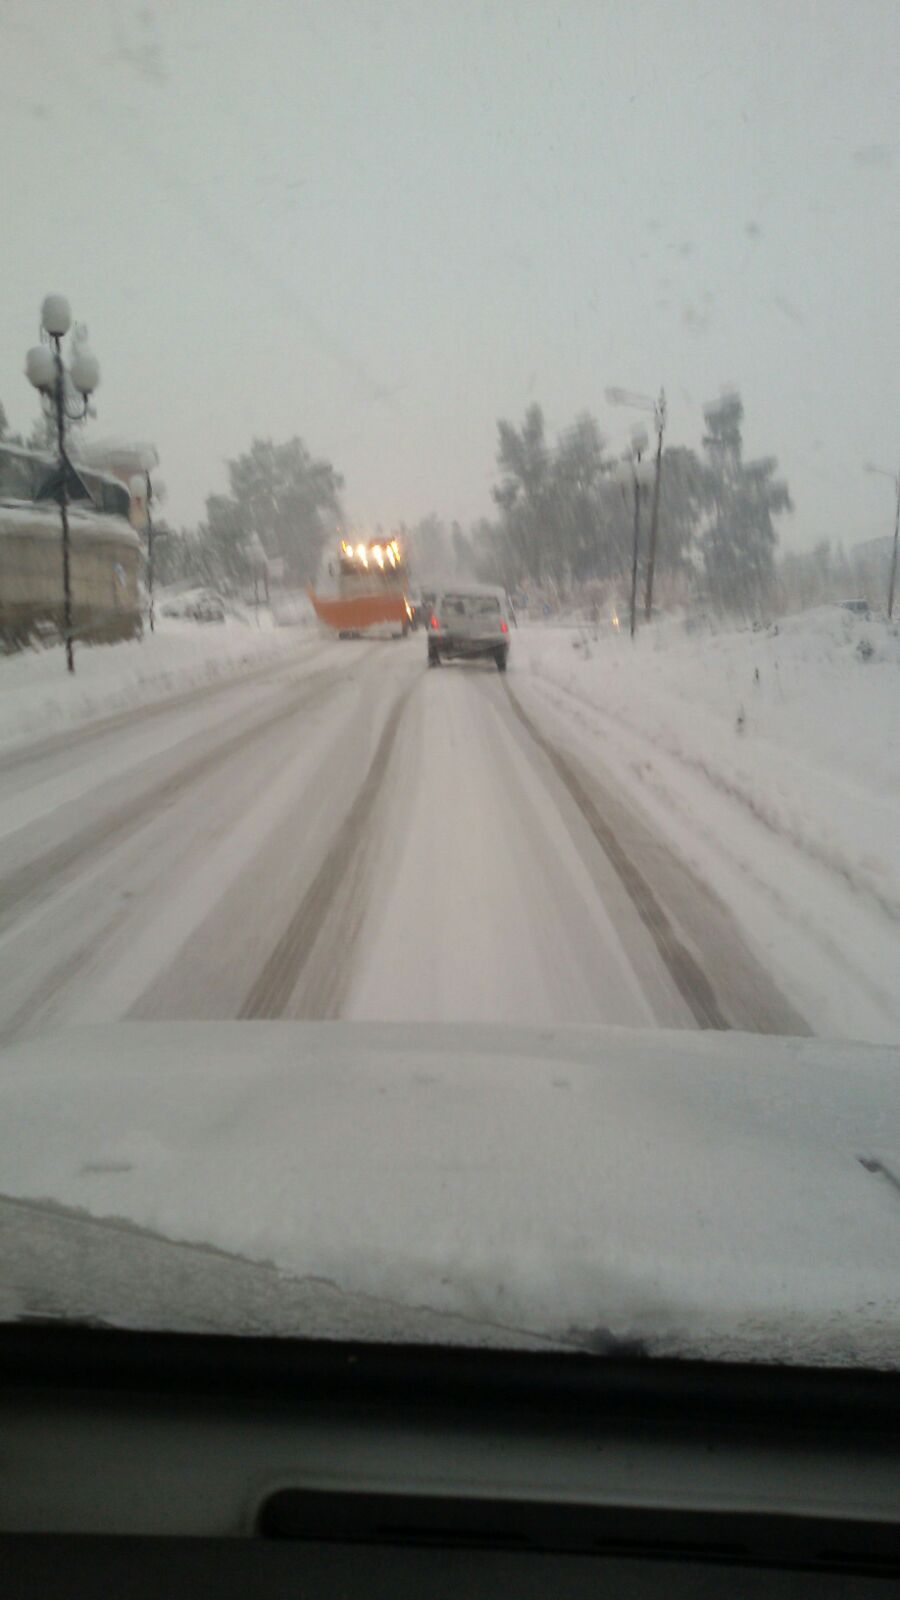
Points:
[882,472]
[57,386]
[657,407]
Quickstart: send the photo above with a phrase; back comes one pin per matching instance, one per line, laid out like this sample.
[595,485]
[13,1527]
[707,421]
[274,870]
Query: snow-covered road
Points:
[343,833]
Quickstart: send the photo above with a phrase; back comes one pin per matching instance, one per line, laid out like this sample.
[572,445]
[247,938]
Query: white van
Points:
[469,620]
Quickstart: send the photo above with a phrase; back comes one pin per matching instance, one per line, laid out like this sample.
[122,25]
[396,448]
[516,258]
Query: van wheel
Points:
[501,660]
[434,659]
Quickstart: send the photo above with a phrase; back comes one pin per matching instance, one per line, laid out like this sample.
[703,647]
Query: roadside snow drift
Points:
[771,759]
[38,697]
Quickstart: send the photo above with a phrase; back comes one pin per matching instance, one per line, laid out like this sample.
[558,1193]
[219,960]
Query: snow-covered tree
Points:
[283,495]
[738,545]
[429,550]
[223,541]
[463,560]
[523,494]
[584,539]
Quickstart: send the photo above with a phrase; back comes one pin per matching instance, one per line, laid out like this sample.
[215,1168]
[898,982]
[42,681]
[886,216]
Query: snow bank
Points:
[740,740]
[289,609]
[22,519]
[38,697]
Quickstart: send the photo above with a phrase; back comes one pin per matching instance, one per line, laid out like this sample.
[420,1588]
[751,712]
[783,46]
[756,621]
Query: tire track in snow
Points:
[759,807]
[781,903]
[690,979]
[491,901]
[271,993]
[42,876]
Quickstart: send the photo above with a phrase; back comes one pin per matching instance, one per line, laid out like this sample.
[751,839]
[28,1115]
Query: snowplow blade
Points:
[363,611]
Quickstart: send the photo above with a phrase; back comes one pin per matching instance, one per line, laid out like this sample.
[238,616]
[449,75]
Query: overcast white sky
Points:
[384,224]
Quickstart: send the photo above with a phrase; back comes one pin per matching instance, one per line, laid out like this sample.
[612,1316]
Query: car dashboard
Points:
[147,1464]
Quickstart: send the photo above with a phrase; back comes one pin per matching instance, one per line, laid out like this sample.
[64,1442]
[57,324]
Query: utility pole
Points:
[638,446]
[660,419]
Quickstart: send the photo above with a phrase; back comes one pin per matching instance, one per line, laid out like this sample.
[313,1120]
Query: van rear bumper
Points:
[449,644]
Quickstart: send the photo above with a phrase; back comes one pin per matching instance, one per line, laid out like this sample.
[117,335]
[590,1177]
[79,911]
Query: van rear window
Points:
[470,605]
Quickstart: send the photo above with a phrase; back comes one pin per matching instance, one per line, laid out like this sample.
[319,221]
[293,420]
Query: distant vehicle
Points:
[197,605]
[209,609]
[467,622]
[372,591]
[860,608]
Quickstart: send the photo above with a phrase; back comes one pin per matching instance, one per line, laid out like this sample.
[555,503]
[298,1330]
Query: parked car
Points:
[469,621]
[208,609]
[197,605]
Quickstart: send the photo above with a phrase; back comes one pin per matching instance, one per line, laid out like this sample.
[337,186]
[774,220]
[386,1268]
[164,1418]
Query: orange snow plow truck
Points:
[371,593]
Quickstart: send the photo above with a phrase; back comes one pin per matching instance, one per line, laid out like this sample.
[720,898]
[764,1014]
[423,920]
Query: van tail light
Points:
[503,625]
[434,622]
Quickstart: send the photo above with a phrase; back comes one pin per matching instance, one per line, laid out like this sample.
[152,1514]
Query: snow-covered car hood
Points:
[704,1194]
